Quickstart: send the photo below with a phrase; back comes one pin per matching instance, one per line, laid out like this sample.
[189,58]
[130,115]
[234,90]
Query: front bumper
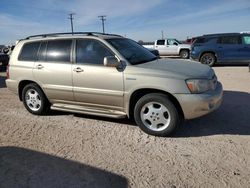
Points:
[194,56]
[196,105]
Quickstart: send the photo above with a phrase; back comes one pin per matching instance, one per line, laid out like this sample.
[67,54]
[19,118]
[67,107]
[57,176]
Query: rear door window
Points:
[229,40]
[29,51]
[58,50]
[160,42]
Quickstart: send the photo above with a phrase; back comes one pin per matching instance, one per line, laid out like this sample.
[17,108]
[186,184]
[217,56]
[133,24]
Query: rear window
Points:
[29,51]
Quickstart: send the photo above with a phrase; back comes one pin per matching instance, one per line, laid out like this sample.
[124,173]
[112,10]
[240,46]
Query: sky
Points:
[137,19]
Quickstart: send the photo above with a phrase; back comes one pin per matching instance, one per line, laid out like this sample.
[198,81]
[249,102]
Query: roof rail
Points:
[75,33]
[245,32]
[220,34]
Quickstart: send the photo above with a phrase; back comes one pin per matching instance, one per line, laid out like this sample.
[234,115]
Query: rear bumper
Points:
[196,105]
[12,85]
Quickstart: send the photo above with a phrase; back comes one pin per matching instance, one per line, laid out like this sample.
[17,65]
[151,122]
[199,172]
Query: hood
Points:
[179,68]
[185,46]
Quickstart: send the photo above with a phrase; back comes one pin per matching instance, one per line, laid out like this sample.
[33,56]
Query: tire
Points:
[34,99]
[184,54]
[208,59]
[156,115]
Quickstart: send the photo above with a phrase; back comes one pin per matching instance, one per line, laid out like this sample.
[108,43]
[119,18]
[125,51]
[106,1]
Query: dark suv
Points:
[4,59]
[222,48]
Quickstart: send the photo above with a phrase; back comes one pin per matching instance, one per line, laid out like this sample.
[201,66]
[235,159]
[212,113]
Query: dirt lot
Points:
[69,150]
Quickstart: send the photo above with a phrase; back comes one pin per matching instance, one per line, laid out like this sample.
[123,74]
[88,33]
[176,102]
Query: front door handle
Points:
[78,69]
[39,66]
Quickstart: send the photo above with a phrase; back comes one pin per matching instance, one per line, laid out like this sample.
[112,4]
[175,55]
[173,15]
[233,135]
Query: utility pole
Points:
[162,34]
[102,18]
[71,22]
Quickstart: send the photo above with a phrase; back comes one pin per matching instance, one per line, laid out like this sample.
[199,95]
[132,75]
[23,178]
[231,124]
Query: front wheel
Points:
[208,59]
[156,115]
[34,99]
[184,54]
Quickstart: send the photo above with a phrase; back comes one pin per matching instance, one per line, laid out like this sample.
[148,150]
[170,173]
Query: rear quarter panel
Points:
[18,70]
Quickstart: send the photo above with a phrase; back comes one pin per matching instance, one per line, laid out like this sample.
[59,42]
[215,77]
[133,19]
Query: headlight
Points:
[201,85]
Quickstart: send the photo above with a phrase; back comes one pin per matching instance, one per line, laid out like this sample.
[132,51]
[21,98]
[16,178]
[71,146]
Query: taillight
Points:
[7,72]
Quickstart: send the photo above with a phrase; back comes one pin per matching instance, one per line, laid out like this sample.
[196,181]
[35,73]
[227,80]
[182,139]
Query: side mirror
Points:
[6,50]
[175,43]
[110,61]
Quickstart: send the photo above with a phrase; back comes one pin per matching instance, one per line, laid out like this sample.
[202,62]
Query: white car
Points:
[170,47]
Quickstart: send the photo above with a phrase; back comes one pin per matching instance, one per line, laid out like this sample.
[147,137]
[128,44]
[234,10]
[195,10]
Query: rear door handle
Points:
[78,69]
[39,66]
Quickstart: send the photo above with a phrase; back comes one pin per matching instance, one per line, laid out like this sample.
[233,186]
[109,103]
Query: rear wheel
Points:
[184,54]
[156,115]
[34,99]
[208,59]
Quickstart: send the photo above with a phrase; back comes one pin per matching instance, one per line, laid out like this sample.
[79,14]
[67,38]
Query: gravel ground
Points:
[70,150]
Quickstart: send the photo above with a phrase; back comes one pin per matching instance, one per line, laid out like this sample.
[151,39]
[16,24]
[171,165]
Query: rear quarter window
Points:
[246,39]
[29,51]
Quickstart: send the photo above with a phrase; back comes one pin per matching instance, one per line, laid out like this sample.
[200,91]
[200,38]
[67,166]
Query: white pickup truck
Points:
[170,47]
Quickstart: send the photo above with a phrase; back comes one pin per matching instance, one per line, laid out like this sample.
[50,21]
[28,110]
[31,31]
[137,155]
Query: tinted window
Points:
[160,42]
[200,40]
[42,52]
[229,40]
[91,52]
[173,42]
[246,39]
[204,40]
[59,50]
[29,51]
[132,51]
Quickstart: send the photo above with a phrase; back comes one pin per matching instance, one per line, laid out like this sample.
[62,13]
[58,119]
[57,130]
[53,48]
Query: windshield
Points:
[178,41]
[132,51]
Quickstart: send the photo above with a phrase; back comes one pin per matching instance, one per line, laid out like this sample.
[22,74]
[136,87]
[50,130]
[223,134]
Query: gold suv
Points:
[111,76]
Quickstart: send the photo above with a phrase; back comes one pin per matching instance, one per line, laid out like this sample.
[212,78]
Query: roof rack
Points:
[75,33]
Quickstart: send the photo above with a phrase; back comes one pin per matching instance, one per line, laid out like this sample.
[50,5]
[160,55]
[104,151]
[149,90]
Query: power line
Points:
[103,19]
[71,22]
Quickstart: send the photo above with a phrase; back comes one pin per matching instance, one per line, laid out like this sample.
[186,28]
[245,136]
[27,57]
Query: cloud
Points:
[13,28]
[87,11]
[34,17]
[206,12]
[139,19]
